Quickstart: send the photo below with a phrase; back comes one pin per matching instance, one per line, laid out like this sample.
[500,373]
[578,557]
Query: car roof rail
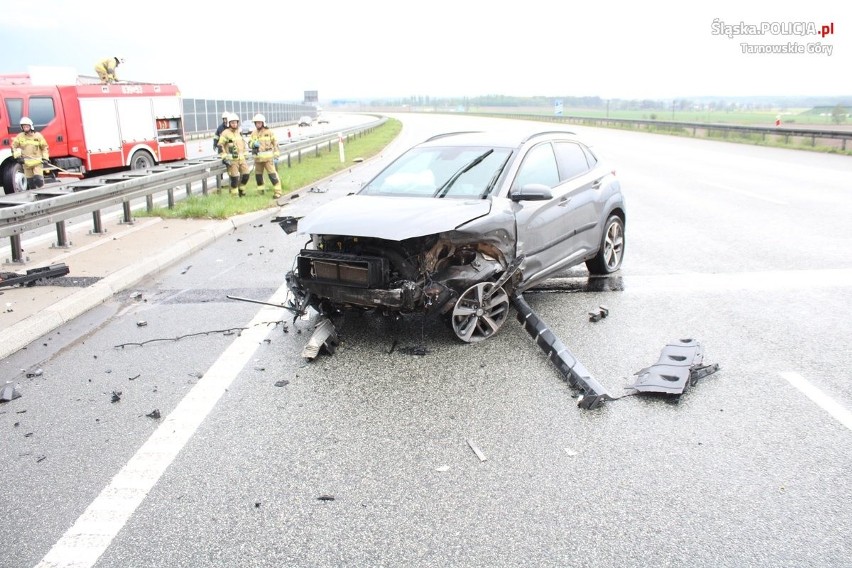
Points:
[445,134]
[544,132]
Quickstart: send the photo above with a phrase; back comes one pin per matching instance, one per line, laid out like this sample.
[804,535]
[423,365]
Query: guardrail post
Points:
[149,203]
[61,235]
[204,187]
[189,189]
[128,214]
[171,193]
[17,251]
[97,224]
[300,155]
[289,164]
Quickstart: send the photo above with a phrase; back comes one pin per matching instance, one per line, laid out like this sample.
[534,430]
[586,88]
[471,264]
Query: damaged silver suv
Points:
[459,224]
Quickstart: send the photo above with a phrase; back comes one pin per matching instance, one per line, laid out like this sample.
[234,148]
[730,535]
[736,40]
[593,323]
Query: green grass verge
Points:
[309,170]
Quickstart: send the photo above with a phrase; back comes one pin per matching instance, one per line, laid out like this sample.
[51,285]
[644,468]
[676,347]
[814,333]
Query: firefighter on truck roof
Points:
[29,148]
[264,146]
[106,69]
[232,150]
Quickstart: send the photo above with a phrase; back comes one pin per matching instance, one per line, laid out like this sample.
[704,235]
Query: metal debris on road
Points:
[9,392]
[155,414]
[476,450]
[141,323]
[116,396]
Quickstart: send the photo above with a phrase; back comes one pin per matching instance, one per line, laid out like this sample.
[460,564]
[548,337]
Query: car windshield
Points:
[449,171]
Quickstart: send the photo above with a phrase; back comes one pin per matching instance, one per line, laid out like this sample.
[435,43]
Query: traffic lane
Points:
[71,438]
[740,218]
[743,458]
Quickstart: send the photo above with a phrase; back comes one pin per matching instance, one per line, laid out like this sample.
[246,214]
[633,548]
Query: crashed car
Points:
[459,224]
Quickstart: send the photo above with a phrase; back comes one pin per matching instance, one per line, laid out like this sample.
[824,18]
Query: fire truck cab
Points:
[92,128]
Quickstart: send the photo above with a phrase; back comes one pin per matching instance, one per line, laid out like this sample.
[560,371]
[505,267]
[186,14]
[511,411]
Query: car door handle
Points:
[597,184]
[564,201]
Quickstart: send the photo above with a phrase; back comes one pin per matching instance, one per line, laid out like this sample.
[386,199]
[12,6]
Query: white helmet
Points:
[232,117]
[259,118]
[225,115]
[26,120]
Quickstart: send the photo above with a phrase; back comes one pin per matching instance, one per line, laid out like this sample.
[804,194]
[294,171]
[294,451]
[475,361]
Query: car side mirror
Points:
[532,192]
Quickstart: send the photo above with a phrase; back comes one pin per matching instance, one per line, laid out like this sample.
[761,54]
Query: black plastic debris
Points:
[9,392]
[9,279]
[282,383]
[141,323]
[598,315]
[680,365]
[34,373]
[325,498]
[116,396]
[155,414]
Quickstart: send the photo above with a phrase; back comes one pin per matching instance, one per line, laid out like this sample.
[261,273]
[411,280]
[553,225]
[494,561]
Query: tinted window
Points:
[572,160]
[590,157]
[14,108]
[539,167]
[41,111]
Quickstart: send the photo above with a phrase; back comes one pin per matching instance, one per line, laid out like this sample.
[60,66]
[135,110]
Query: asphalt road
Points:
[365,458]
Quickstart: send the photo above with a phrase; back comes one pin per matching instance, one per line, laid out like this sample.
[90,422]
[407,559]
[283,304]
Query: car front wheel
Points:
[611,251]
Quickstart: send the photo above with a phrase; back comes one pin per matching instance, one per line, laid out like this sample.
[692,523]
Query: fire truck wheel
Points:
[141,160]
[13,178]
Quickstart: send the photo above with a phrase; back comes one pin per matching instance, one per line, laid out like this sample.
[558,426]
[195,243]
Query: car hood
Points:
[391,218]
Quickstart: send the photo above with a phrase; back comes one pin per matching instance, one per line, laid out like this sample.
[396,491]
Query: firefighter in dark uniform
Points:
[29,148]
[232,150]
[264,146]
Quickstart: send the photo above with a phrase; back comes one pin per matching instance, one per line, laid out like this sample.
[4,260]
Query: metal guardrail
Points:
[764,131]
[33,209]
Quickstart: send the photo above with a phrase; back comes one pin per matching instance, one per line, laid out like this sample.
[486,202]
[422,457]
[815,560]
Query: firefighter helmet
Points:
[225,115]
[233,117]
[27,121]
[259,118]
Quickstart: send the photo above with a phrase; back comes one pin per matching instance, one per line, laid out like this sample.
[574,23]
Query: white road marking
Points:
[820,398]
[92,533]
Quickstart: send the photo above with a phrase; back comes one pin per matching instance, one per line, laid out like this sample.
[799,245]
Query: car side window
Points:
[539,166]
[572,160]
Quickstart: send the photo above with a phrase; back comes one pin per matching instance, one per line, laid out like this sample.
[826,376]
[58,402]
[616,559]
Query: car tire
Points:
[611,252]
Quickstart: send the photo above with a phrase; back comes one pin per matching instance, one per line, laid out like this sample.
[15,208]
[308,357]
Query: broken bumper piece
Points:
[680,365]
[592,393]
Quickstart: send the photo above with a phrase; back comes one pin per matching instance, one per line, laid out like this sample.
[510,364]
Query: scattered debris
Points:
[257,505]
[571,452]
[325,336]
[32,276]
[135,295]
[184,271]
[325,498]
[602,312]
[476,450]
[222,331]
[317,190]
[116,396]
[9,392]
[134,378]
[282,383]
[443,468]
[41,459]
[35,373]
[680,365]
[141,323]
[155,414]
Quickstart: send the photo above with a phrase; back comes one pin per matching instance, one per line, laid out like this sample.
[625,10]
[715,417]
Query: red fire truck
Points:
[91,128]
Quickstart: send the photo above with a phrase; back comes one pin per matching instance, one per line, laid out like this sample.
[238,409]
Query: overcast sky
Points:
[364,49]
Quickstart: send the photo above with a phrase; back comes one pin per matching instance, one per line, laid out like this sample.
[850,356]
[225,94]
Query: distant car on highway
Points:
[246,127]
[322,119]
[305,120]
